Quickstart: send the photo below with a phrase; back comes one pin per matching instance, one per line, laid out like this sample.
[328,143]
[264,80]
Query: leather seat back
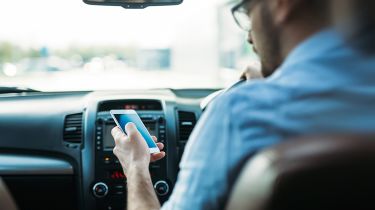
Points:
[331,172]
[6,200]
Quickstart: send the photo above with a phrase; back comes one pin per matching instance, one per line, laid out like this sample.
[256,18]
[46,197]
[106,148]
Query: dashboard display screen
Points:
[109,143]
[143,105]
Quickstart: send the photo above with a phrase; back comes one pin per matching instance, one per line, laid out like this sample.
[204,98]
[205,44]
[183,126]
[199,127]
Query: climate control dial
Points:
[161,188]
[100,190]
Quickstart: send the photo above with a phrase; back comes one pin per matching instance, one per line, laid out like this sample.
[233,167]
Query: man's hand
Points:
[132,150]
[252,72]
[134,156]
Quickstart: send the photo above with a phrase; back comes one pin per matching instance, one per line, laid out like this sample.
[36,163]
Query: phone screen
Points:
[124,119]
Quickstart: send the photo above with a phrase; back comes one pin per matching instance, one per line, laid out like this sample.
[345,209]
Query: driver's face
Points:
[254,16]
[264,37]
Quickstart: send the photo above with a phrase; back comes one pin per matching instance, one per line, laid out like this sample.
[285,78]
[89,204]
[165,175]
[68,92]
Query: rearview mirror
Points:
[133,4]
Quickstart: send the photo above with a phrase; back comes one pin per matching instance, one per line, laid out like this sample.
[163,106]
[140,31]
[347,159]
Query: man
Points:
[320,86]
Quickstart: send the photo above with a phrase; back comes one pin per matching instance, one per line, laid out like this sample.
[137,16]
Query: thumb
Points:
[131,129]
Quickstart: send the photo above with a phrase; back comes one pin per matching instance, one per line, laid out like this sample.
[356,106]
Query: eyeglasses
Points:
[241,14]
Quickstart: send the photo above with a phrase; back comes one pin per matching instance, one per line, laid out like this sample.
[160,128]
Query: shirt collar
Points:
[313,47]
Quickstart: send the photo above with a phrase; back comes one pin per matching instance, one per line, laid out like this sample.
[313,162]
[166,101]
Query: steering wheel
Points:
[206,101]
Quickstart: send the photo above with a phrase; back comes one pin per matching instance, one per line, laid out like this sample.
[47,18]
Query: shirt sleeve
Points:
[215,147]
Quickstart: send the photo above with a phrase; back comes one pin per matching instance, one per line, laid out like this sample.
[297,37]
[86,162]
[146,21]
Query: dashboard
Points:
[56,148]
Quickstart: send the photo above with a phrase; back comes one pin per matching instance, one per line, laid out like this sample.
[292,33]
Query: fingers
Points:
[252,72]
[130,127]
[117,133]
[131,130]
[157,156]
[160,146]
[160,155]
[114,131]
[154,138]
[243,76]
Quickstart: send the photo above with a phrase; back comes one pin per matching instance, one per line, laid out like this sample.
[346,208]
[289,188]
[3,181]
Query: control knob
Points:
[161,188]
[100,189]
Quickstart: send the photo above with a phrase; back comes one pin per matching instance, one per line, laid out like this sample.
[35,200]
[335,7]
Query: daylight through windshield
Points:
[68,45]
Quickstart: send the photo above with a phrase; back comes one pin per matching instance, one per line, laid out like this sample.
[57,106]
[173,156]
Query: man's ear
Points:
[283,10]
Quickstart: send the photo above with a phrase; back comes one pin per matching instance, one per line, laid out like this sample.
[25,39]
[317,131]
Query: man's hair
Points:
[316,10]
[321,8]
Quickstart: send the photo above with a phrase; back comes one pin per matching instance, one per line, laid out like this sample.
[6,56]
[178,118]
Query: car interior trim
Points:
[11,164]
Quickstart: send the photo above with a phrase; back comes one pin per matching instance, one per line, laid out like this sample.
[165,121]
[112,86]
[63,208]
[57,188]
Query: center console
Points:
[109,187]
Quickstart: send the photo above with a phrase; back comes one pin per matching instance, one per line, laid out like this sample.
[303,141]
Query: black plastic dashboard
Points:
[55,153]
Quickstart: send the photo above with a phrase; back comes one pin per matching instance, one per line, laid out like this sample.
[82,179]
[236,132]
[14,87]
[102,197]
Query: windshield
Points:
[69,46]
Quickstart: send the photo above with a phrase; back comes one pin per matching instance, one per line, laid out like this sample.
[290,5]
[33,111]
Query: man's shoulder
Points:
[254,94]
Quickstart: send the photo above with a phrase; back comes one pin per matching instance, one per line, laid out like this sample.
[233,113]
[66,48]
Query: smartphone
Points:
[123,117]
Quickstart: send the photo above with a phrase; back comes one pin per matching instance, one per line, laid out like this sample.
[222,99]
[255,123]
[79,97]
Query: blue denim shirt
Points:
[322,87]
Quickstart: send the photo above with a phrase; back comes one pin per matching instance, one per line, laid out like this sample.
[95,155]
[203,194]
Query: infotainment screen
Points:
[109,143]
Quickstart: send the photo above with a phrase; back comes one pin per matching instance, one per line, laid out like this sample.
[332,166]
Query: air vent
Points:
[73,128]
[187,121]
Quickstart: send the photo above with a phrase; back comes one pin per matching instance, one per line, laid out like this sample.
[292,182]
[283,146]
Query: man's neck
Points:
[295,34]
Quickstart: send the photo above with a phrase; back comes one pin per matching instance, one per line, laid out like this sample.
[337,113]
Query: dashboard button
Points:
[99,121]
[119,187]
[100,190]
[107,160]
[119,193]
[161,188]
[154,166]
